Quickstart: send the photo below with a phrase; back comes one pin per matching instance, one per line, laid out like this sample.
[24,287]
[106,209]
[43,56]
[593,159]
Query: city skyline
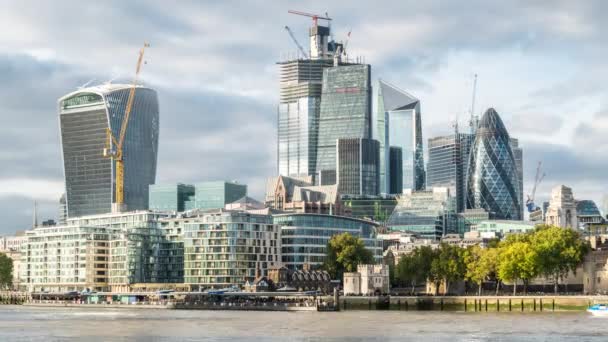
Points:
[215,88]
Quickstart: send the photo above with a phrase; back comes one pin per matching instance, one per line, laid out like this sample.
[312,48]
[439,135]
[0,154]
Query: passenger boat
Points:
[600,310]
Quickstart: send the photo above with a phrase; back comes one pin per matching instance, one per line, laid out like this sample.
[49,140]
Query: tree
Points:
[481,265]
[559,251]
[6,271]
[415,267]
[448,266]
[518,261]
[344,253]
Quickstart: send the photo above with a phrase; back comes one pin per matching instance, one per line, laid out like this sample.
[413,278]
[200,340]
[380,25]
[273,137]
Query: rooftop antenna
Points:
[473,121]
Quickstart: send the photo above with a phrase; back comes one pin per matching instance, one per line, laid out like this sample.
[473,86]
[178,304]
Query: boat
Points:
[600,310]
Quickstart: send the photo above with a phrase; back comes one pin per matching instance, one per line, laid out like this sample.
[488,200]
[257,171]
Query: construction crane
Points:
[315,17]
[537,179]
[293,37]
[116,153]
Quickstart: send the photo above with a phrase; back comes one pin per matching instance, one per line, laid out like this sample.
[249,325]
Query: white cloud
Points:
[36,189]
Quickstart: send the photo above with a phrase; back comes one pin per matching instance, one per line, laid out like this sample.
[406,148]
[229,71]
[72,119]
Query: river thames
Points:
[65,324]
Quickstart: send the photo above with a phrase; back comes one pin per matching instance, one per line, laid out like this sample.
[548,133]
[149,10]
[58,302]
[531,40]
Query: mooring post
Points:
[475,305]
[541,304]
[406,305]
[441,304]
[509,304]
[534,304]
[369,304]
[486,305]
[522,304]
[399,304]
[497,304]
[465,305]
[553,305]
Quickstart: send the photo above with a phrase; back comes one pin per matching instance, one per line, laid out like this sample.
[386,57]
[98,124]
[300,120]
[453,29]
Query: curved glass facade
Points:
[304,237]
[493,177]
[84,118]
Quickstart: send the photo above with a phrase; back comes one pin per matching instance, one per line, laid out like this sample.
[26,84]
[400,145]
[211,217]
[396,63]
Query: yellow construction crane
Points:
[116,153]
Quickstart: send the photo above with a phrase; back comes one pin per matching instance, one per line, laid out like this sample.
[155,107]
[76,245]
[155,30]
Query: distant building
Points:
[369,280]
[398,123]
[500,228]
[562,208]
[301,280]
[345,112]
[215,195]
[63,210]
[12,243]
[428,213]
[229,248]
[375,208]
[169,197]
[358,166]
[305,237]
[395,170]
[245,203]
[469,218]
[84,117]
[298,195]
[494,181]
[587,213]
[469,239]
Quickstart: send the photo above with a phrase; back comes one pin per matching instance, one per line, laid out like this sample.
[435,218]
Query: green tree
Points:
[559,251]
[481,265]
[344,253]
[448,266]
[518,261]
[415,267]
[6,271]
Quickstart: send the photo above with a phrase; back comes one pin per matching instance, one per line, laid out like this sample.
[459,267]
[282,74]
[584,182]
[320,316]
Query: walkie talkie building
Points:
[84,117]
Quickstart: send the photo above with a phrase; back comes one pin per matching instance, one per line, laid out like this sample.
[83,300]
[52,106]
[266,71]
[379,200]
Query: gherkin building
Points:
[493,179]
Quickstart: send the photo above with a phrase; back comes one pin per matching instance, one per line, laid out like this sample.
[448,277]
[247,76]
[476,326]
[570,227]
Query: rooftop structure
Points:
[84,118]
[562,208]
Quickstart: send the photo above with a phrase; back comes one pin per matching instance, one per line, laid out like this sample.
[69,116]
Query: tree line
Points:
[548,251]
[6,272]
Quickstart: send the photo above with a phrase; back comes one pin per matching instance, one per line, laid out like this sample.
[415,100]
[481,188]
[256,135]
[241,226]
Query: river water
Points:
[87,324]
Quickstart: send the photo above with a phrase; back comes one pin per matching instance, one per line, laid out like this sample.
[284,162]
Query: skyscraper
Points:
[298,115]
[493,180]
[448,164]
[398,123]
[395,167]
[84,117]
[345,112]
[357,168]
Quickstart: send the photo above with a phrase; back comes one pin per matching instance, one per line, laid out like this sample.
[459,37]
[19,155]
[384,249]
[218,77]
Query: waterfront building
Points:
[229,248]
[500,228]
[169,197]
[448,164]
[398,123]
[562,208]
[84,118]
[429,213]
[493,180]
[375,208]
[369,280]
[215,195]
[298,195]
[12,243]
[588,213]
[395,170]
[302,280]
[305,237]
[345,113]
[108,252]
[298,115]
[358,166]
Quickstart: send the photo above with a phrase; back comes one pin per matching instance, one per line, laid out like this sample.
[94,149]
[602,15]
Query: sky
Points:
[541,64]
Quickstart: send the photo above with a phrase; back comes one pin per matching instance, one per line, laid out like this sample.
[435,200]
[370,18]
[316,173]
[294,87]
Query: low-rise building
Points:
[299,195]
[500,228]
[368,280]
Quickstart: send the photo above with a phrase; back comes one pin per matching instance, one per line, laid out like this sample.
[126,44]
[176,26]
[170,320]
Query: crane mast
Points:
[116,153]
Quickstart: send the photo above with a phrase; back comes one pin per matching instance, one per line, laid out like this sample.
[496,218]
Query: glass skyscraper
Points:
[298,115]
[215,195]
[345,110]
[170,197]
[493,181]
[358,166]
[398,123]
[84,117]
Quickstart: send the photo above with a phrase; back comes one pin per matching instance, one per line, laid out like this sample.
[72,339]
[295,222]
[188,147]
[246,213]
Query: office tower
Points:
[358,166]
[395,170]
[588,213]
[84,117]
[429,213]
[493,181]
[518,154]
[398,123]
[215,195]
[448,164]
[562,208]
[298,115]
[169,197]
[345,112]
